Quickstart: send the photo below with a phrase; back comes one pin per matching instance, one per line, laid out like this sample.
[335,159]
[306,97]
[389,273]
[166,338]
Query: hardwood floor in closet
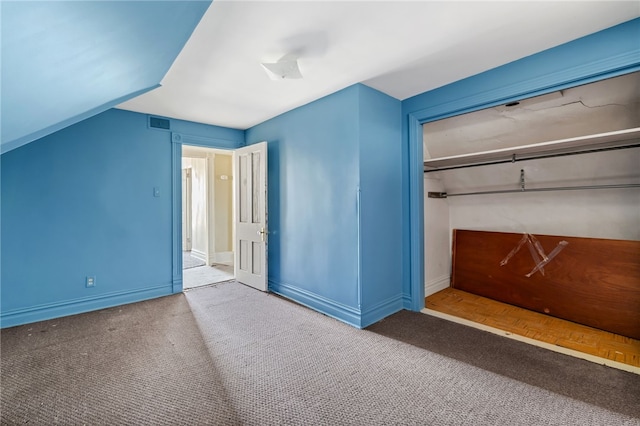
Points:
[536,326]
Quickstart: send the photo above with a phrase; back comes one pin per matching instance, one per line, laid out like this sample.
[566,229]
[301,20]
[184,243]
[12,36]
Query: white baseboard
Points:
[435,285]
[224,257]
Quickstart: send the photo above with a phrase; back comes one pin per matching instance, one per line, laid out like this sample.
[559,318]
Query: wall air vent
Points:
[159,123]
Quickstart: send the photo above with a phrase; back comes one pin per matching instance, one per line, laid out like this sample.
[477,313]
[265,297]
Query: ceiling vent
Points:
[159,123]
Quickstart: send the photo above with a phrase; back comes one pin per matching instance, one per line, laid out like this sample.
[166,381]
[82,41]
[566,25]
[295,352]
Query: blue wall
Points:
[380,205]
[312,183]
[320,156]
[80,202]
[605,54]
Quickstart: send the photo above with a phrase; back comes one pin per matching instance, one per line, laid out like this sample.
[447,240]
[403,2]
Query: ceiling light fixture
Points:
[283,69]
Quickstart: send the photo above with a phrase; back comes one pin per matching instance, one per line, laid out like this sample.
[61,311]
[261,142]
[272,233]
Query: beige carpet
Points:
[230,355]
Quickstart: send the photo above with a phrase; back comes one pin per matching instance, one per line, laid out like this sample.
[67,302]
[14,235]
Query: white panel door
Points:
[250,187]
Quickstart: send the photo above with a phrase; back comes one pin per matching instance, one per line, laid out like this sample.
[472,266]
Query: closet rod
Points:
[557,188]
[514,158]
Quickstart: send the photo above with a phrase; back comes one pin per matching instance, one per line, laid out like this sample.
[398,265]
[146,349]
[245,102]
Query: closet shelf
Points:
[628,138]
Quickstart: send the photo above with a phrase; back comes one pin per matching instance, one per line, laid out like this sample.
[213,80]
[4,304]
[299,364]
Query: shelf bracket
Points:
[522,188]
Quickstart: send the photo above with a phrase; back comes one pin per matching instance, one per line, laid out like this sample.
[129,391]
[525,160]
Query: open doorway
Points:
[207,216]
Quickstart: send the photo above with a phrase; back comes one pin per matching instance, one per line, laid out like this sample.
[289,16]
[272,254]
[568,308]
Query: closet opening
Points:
[553,174]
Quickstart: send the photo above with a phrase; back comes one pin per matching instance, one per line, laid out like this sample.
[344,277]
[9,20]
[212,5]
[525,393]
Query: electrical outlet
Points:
[91,282]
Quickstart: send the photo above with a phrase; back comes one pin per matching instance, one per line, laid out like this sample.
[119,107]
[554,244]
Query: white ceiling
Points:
[399,48]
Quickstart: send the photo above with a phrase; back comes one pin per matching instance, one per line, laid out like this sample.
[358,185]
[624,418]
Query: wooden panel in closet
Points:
[595,282]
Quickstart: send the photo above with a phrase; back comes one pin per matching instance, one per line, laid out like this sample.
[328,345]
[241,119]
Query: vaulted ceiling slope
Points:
[64,61]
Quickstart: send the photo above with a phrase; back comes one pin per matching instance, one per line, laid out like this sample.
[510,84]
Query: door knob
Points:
[262,232]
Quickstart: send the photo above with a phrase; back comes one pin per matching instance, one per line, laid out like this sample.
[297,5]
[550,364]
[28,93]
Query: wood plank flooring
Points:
[533,325]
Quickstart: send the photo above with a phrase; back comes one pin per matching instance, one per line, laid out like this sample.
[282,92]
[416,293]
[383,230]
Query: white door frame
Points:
[186,209]
[198,143]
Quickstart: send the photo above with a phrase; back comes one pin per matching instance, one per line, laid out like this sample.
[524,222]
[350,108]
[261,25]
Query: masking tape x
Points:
[554,253]
[537,252]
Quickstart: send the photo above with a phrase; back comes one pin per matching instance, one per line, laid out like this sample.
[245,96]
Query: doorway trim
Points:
[177,140]
[186,209]
[534,82]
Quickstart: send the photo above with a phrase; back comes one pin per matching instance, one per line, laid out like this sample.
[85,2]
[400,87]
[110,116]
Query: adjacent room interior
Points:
[207,216]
